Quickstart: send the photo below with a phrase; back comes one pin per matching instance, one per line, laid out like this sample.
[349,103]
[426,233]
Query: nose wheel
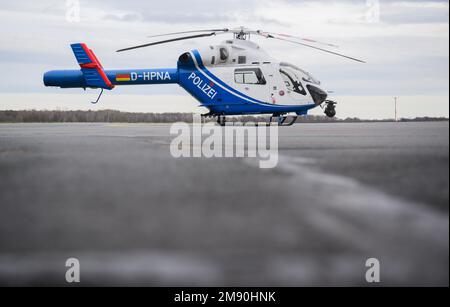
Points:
[330,109]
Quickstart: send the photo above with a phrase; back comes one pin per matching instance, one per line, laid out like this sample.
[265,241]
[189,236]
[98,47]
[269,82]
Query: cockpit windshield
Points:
[301,74]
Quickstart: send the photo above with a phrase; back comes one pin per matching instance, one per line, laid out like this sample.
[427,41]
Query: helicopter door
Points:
[293,84]
[251,82]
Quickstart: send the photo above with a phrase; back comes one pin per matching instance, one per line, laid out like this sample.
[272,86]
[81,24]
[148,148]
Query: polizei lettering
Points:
[203,86]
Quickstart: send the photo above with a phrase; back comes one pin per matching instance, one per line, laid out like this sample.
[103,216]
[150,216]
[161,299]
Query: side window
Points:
[249,76]
[239,78]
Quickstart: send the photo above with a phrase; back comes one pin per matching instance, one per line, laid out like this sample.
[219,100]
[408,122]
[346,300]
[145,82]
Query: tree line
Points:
[102,116]
[114,116]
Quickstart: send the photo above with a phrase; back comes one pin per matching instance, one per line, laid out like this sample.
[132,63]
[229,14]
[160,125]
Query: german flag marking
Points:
[123,77]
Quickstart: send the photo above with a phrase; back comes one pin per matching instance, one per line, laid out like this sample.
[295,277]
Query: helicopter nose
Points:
[318,95]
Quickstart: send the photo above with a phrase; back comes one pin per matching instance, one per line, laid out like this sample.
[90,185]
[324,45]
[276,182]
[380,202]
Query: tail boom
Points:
[92,74]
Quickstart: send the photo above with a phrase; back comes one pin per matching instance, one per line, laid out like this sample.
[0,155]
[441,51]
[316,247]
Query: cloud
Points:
[415,12]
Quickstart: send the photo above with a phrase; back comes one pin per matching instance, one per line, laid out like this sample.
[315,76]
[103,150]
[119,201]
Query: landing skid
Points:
[283,121]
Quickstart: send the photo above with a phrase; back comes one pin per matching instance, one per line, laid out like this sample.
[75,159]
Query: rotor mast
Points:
[242,34]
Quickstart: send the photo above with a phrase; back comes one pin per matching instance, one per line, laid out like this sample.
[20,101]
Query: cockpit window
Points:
[292,82]
[249,76]
[307,77]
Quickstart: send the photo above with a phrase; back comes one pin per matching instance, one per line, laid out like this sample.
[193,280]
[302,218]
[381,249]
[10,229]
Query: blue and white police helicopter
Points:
[236,77]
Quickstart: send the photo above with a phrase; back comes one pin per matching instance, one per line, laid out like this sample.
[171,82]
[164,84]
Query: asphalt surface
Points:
[113,196]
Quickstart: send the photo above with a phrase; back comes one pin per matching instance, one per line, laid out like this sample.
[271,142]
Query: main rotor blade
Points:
[187,32]
[317,48]
[304,39]
[168,41]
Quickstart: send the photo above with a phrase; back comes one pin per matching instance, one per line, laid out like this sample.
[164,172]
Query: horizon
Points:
[18,117]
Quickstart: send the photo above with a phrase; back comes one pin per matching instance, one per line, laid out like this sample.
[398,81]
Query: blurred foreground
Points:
[112,196]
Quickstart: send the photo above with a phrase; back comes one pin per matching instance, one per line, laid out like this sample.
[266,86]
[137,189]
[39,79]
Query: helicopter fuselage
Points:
[237,78]
[234,78]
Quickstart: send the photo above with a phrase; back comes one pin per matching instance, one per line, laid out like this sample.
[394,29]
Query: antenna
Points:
[98,99]
[395,105]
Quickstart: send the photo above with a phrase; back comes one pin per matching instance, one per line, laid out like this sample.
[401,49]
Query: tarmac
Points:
[113,196]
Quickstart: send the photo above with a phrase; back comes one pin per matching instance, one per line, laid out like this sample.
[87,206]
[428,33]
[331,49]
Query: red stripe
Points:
[96,59]
[96,65]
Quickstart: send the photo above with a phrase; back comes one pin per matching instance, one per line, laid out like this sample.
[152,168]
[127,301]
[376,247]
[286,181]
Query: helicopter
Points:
[236,77]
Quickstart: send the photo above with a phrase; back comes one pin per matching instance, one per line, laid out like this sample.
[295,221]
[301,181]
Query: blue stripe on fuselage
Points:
[199,60]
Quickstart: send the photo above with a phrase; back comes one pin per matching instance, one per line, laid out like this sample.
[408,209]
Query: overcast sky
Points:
[406,49]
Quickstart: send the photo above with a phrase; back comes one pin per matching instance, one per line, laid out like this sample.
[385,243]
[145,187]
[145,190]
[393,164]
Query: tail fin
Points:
[91,68]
